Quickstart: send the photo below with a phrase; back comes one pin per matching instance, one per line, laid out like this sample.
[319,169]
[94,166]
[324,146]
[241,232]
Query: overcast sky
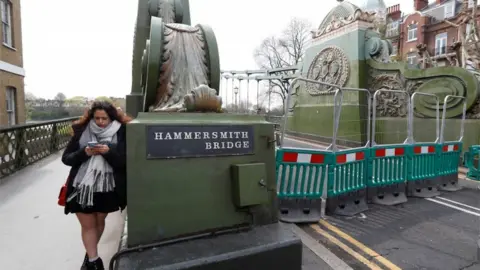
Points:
[85,47]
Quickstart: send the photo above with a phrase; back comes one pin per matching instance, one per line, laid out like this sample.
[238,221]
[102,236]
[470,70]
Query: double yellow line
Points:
[372,265]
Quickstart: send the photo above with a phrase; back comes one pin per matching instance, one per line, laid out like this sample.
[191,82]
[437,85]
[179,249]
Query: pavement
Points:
[293,142]
[34,231]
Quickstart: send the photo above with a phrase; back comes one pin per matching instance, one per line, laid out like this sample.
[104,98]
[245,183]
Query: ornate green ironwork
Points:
[165,75]
[23,145]
[440,81]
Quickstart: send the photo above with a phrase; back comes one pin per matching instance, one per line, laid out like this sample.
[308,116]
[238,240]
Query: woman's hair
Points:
[113,113]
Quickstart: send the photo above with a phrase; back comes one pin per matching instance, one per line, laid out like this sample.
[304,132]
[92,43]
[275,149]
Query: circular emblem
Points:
[330,66]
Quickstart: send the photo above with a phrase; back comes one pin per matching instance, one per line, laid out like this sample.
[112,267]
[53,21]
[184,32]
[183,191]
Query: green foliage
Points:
[75,101]
[44,115]
[104,98]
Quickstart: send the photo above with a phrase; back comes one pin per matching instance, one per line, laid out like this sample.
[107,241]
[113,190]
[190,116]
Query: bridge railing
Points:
[23,145]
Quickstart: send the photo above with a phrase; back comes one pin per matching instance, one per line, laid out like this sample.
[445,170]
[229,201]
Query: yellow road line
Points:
[361,246]
[347,249]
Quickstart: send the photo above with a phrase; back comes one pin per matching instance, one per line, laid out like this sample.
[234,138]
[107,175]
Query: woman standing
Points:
[97,180]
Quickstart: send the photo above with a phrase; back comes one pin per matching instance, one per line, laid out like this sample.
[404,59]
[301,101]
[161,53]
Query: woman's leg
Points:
[89,233]
[100,224]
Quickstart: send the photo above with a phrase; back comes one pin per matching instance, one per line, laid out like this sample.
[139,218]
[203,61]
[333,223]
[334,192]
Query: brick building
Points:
[425,27]
[12,96]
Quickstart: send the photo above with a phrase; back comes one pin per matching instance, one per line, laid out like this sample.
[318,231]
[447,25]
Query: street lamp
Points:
[235,91]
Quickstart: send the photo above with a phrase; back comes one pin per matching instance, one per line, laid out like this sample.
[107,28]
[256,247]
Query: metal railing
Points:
[23,145]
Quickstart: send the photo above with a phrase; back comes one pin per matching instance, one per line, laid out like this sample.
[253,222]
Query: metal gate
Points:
[450,151]
[303,174]
[310,181]
[423,178]
[347,188]
[389,163]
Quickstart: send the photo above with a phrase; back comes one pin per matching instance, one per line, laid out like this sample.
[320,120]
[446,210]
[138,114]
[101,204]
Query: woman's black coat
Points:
[74,156]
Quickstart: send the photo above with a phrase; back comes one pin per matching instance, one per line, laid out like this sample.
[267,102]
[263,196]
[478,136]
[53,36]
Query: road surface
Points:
[437,233]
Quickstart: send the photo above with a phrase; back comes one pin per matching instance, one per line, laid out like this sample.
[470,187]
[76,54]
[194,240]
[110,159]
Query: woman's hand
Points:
[102,149]
[89,151]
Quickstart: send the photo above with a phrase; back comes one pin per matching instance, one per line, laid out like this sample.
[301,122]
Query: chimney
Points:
[394,12]
[420,4]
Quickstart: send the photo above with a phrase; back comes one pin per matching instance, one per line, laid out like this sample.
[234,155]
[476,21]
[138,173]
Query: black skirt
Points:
[102,203]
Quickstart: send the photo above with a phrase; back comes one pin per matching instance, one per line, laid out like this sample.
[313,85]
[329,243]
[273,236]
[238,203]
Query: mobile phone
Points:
[92,144]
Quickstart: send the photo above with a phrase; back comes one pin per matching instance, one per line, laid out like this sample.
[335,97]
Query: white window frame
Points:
[449,9]
[6,19]
[11,98]
[412,32]
[468,28]
[411,58]
[392,28]
[470,3]
[441,43]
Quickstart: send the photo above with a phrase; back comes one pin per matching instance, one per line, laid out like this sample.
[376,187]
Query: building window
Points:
[412,32]
[412,58]
[10,97]
[441,44]
[470,3]
[450,9]
[392,29]
[6,10]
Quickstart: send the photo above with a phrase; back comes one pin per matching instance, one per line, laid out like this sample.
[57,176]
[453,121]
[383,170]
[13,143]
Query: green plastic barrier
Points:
[387,182]
[347,193]
[469,158]
[422,179]
[302,175]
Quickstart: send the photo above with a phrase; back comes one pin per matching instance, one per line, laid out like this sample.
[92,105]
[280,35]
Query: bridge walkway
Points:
[34,232]
[436,233]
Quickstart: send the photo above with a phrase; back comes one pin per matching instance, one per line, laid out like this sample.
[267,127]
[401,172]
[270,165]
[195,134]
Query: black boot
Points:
[84,264]
[96,265]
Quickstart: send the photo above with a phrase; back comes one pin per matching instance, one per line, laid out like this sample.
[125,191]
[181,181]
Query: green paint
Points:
[293,176]
[170,198]
[141,34]
[393,130]
[387,170]
[314,114]
[448,161]
[351,176]
[318,120]
[249,184]
[423,166]
[174,197]
[441,81]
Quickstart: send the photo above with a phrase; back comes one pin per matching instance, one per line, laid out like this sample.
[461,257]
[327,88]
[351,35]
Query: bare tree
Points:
[282,51]
[30,96]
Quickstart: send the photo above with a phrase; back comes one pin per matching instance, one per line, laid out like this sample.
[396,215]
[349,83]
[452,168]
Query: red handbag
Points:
[62,197]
